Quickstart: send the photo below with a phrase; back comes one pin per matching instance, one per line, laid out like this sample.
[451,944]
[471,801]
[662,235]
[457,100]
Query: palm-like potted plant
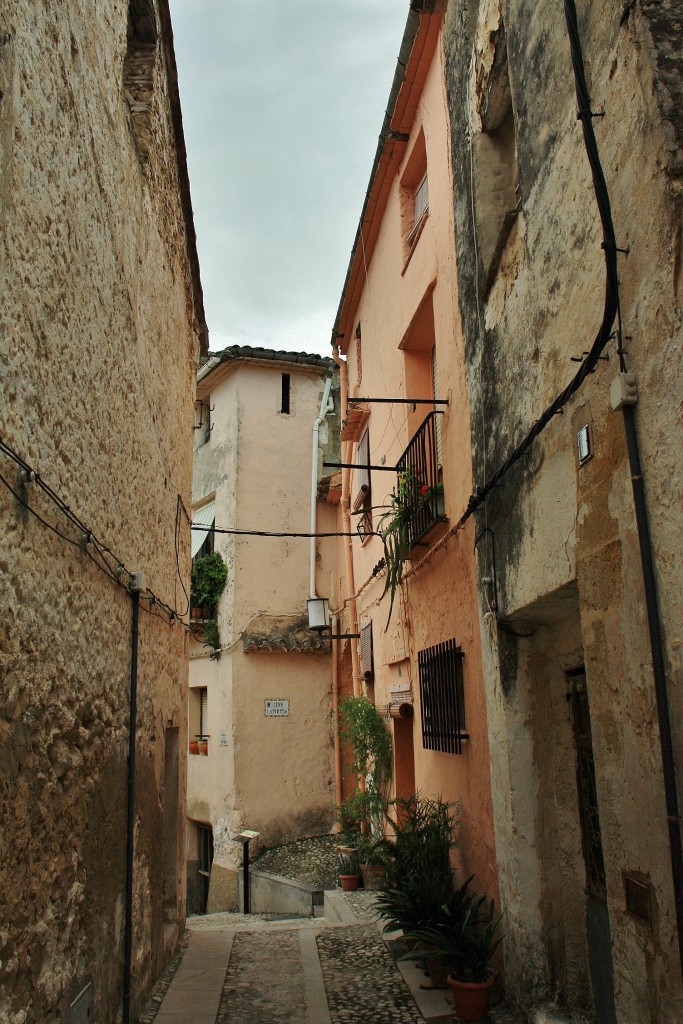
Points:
[465,939]
[349,871]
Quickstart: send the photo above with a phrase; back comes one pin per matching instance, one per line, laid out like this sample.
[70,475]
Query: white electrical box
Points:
[623,390]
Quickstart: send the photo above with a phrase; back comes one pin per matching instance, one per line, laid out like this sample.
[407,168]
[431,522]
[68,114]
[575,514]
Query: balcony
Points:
[418,481]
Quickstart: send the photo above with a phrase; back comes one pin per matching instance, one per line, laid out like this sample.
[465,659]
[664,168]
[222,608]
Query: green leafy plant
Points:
[394,528]
[424,833]
[209,576]
[464,935]
[363,728]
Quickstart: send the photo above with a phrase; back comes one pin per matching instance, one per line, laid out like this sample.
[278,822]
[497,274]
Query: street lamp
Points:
[318,620]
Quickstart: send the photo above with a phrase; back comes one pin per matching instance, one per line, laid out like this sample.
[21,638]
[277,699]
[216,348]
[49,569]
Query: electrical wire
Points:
[272,533]
[88,544]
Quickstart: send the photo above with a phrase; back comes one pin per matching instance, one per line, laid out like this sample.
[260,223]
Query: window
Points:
[284,402]
[442,697]
[414,195]
[367,667]
[198,712]
[203,539]
[363,500]
[420,206]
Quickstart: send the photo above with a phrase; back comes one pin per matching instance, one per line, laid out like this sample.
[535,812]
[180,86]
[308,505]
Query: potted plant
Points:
[373,863]
[472,976]
[464,939]
[204,745]
[194,746]
[433,496]
[349,872]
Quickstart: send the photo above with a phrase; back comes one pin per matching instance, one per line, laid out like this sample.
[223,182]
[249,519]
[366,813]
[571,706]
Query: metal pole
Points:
[130,824]
[245,862]
[658,669]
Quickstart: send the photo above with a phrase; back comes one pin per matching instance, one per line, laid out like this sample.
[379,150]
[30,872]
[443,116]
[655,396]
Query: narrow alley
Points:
[244,969]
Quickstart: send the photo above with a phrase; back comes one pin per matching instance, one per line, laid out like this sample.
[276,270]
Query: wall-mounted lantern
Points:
[318,620]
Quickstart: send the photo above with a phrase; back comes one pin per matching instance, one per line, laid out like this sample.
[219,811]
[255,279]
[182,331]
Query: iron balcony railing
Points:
[418,480]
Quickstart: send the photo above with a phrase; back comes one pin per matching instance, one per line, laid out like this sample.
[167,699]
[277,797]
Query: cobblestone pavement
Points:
[361,979]
[265,969]
[312,861]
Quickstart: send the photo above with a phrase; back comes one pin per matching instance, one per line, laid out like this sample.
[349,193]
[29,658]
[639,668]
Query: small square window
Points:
[285,394]
[583,442]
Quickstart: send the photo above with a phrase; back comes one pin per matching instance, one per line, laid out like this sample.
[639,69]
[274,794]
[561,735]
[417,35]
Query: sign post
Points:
[244,838]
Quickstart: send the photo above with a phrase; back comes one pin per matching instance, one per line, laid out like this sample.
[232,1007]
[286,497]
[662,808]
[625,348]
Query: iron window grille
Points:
[419,483]
[442,697]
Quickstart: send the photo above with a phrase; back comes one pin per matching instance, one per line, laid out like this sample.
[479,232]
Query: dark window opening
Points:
[442,697]
[204,863]
[284,405]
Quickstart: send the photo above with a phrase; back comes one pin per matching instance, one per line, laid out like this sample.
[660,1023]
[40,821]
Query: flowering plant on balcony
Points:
[432,497]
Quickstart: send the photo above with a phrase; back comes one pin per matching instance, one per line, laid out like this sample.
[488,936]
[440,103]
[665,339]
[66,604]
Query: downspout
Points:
[314,479]
[136,587]
[335,713]
[658,667]
[346,526]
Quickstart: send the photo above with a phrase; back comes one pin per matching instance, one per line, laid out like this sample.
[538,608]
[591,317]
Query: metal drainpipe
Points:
[658,666]
[314,480]
[130,823]
[346,521]
[335,715]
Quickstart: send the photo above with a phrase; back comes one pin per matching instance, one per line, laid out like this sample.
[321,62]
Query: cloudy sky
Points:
[282,105]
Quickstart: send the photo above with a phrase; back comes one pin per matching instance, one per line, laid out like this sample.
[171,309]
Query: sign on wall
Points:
[276,708]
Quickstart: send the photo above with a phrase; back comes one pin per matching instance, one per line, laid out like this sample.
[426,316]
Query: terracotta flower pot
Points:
[374,876]
[349,883]
[470,998]
[194,746]
[203,747]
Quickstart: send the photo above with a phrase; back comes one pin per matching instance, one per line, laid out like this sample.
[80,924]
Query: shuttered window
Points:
[421,200]
[363,497]
[366,654]
[204,712]
[363,471]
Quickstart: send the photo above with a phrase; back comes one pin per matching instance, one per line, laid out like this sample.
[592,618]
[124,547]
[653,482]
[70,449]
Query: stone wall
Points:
[569,585]
[98,346]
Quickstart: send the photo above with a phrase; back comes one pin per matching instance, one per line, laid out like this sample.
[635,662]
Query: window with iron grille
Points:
[362,502]
[442,697]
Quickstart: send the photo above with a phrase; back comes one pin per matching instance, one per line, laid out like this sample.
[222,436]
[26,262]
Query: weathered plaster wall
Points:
[438,599]
[97,356]
[276,774]
[565,534]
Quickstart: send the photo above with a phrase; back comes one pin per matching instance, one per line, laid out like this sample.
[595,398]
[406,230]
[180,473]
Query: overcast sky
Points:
[282,105]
